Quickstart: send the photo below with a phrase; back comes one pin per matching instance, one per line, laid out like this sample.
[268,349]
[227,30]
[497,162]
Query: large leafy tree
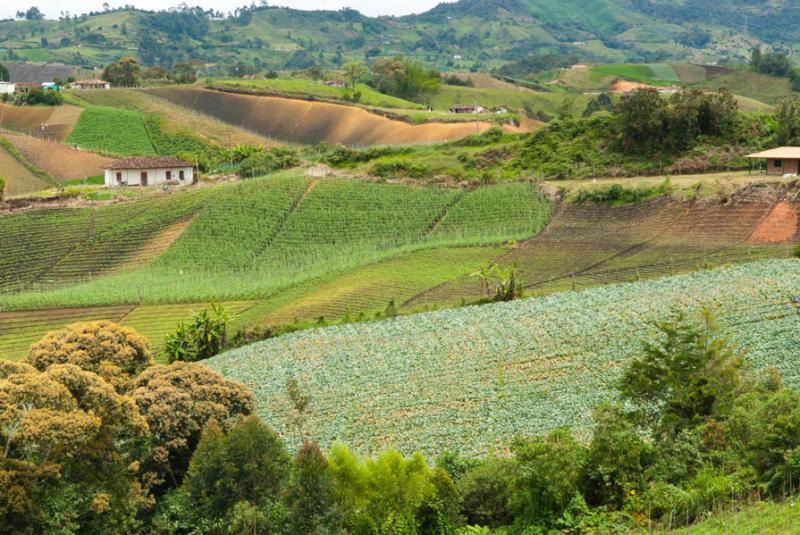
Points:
[4,76]
[123,73]
[112,351]
[72,452]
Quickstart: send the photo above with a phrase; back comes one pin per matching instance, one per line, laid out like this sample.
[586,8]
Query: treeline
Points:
[775,64]
[98,439]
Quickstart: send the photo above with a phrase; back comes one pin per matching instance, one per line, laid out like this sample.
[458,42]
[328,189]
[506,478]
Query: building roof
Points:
[91,82]
[781,153]
[159,162]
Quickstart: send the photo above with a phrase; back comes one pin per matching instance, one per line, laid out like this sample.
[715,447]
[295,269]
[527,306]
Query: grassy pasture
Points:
[763,518]
[760,87]
[548,103]
[655,73]
[471,379]
[299,87]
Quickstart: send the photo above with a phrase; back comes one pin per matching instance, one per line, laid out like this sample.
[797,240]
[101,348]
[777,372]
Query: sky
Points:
[52,8]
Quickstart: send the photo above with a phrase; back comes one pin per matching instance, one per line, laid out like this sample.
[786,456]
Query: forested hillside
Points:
[465,34]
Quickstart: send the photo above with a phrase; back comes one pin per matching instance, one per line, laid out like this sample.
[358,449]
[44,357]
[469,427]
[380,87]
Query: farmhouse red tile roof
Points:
[160,162]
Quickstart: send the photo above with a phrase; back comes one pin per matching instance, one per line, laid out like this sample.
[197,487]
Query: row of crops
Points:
[471,379]
[250,239]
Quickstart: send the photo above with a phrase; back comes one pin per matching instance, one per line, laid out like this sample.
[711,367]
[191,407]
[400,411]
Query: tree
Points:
[34,13]
[239,476]
[184,73]
[123,73]
[178,401]
[687,375]
[601,102]
[354,71]
[2,188]
[4,76]
[114,352]
[547,476]
[311,494]
[71,452]
[788,116]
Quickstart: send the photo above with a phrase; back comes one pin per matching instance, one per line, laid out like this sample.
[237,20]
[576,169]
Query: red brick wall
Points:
[789,167]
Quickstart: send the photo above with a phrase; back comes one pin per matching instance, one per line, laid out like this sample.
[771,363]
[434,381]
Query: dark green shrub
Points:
[269,161]
[201,338]
[400,168]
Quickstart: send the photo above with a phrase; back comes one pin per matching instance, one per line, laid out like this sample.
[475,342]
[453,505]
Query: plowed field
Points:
[19,180]
[306,122]
[41,121]
[61,161]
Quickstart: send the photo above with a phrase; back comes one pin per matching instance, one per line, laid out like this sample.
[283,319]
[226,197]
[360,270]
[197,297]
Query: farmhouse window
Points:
[778,163]
[180,175]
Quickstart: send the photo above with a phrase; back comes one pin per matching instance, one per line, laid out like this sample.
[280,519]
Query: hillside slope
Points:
[471,379]
[452,34]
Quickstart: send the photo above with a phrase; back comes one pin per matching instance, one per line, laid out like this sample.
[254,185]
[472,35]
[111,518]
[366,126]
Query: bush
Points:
[617,194]
[203,337]
[2,188]
[269,161]
[400,168]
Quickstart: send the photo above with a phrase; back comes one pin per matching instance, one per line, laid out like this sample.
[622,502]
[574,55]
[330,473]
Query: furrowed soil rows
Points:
[53,123]
[300,121]
[60,161]
[472,379]
[19,180]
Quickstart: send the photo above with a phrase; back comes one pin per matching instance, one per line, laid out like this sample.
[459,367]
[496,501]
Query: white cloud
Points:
[76,7]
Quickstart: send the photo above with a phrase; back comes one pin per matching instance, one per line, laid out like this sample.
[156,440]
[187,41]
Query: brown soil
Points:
[61,161]
[626,86]
[779,226]
[309,122]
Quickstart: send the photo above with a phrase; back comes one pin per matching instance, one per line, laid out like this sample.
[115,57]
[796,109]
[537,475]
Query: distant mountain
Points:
[476,34]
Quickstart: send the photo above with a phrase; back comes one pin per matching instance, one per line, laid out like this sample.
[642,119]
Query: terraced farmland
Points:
[587,245]
[112,131]
[306,122]
[471,379]
[18,330]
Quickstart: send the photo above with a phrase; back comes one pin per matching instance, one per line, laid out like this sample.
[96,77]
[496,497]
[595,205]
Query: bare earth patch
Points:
[779,226]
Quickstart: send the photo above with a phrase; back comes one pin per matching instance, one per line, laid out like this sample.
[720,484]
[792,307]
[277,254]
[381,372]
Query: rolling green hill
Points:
[462,34]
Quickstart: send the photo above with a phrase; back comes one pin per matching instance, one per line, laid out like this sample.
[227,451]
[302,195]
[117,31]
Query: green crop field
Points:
[112,131]
[471,379]
[246,240]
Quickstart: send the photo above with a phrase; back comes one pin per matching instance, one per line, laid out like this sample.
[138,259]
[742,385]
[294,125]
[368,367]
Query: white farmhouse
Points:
[149,172]
[7,88]
[91,84]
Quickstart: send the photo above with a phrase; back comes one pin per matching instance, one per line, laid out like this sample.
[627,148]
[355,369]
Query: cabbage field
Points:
[471,379]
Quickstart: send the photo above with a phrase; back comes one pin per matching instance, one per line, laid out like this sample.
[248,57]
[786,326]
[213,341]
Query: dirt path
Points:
[778,227]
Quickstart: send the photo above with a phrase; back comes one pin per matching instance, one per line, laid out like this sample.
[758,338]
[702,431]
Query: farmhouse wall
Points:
[132,177]
[789,167]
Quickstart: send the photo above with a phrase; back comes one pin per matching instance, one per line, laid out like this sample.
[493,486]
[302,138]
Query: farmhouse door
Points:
[169,176]
[144,178]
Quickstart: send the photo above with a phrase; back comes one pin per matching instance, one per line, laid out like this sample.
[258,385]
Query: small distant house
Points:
[7,88]
[335,83]
[500,110]
[781,161]
[149,172]
[469,108]
[91,84]
[49,86]
[24,87]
